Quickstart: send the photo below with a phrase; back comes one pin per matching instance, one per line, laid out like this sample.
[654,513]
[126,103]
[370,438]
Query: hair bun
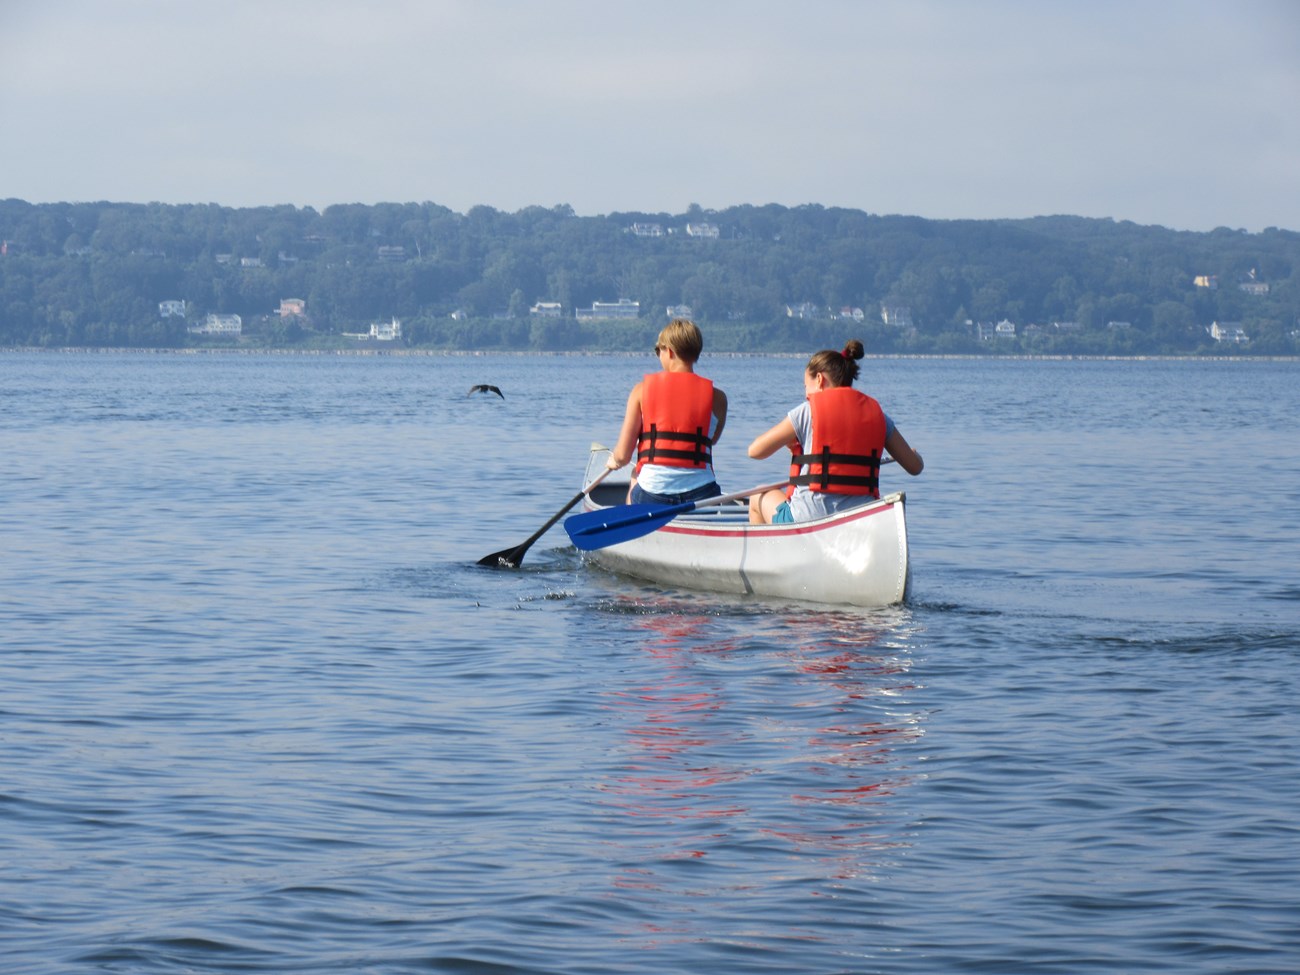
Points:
[853,349]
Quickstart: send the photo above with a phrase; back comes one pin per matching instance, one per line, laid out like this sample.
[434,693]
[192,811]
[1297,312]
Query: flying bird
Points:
[485,388]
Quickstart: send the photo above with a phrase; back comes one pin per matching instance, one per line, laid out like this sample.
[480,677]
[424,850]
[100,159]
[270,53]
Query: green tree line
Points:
[757,278]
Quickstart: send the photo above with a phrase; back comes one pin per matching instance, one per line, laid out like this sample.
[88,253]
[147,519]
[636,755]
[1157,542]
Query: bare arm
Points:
[899,449]
[630,432]
[720,411]
[766,444]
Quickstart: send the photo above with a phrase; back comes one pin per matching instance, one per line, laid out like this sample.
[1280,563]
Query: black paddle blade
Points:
[512,557]
[509,559]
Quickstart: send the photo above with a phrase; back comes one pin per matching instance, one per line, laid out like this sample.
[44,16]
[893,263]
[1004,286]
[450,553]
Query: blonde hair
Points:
[682,336]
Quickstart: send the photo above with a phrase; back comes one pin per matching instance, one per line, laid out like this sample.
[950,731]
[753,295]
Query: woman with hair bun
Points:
[838,436]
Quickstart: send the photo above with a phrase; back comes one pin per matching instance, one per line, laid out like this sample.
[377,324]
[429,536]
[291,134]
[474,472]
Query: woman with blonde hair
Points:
[673,419]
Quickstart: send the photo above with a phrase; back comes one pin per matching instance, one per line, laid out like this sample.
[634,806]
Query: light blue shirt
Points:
[660,479]
[808,505]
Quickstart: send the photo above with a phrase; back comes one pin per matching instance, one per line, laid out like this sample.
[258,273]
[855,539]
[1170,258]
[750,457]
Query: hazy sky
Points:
[1184,113]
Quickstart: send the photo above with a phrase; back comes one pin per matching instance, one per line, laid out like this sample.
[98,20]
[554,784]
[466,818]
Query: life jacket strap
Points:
[819,470]
[649,448]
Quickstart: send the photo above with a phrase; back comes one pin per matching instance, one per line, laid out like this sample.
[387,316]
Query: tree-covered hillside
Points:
[754,277]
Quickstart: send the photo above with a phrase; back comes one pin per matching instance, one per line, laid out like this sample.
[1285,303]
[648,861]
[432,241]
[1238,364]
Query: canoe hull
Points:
[858,557]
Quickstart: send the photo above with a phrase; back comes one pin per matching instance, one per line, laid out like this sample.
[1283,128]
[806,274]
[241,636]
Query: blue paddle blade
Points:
[609,526]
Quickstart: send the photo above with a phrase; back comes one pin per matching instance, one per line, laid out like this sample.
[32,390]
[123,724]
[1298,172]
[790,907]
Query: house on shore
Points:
[231,326]
[380,332]
[622,309]
[1231,332]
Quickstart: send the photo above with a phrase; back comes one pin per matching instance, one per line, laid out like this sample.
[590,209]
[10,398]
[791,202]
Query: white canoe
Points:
[857,557]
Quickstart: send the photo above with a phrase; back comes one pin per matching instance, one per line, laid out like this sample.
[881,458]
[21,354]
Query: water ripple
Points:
[261,711]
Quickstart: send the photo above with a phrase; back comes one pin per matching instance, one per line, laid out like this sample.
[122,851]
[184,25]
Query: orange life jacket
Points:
[676,411]
[848,434]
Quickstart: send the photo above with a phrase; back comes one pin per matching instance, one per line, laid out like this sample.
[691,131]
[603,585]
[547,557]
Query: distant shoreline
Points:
[463,353]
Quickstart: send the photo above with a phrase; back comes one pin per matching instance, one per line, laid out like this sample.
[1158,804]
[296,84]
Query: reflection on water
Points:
[766,753]
[849,675]
[679,737]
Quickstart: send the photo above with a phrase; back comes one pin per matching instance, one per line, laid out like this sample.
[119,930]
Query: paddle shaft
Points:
[724,498]
[597,529]
[672,511]
[511,558]
[610,526]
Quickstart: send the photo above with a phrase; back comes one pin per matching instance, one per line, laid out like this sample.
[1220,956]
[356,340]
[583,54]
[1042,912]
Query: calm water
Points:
[260,711]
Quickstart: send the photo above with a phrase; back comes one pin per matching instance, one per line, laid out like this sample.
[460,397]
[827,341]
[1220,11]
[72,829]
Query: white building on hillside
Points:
[214,324]
[623,308]
[896,316]
[380,332]
[1228,332]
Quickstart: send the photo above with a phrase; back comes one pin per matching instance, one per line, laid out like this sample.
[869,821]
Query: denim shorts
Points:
[640,496]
